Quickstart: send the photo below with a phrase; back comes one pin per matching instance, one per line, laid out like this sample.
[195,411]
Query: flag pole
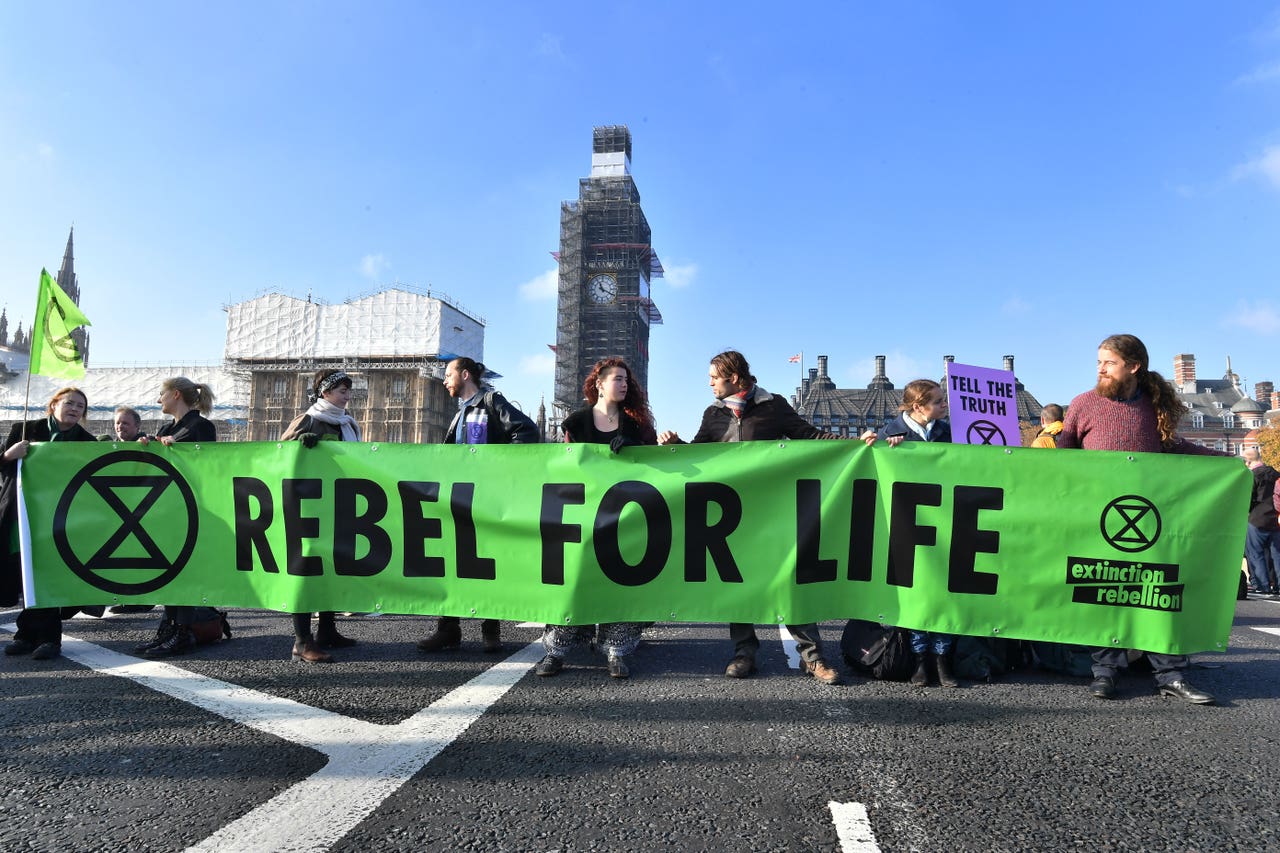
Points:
[26,402]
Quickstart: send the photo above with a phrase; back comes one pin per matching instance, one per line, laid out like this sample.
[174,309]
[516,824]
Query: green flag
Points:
[53,351]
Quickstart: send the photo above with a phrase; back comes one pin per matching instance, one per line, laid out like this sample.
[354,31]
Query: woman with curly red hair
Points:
[619,416]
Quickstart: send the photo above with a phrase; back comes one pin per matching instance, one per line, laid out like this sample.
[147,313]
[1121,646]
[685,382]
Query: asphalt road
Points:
[236,747]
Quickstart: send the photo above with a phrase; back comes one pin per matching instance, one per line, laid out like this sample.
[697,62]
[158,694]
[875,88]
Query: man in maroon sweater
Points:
[1132,408]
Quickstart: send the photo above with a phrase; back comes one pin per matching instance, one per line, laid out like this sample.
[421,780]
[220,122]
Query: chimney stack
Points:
[1184,372]
[1262,392]
[822,366]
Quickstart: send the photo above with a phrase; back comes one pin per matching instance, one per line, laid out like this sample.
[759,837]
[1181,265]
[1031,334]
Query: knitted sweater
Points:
[1095,422]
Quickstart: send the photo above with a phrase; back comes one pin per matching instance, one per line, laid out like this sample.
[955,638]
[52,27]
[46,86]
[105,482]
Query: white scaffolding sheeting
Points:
[137,387]
[390,324]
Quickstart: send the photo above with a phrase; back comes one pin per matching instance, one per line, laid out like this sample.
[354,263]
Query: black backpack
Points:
[877,651]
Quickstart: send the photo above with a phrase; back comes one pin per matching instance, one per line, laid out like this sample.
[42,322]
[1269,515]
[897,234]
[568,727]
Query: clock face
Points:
[603,288]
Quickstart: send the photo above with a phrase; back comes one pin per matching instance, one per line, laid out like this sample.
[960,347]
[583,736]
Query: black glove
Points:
[621,441]
[309,439]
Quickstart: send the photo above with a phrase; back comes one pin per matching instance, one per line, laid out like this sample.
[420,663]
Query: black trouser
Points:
[38,625]
[745,642]
[1166,668]
[183,615]
[453,625]
[324,624]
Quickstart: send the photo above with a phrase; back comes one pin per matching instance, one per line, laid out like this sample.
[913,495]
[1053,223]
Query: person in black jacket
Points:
[618,416]
[920,418]
[39,628]
[1262,538]
[743,411]
[187,403]
[326,420]
[484,417]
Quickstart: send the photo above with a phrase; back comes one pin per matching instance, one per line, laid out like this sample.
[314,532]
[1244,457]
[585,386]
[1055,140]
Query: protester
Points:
[327,419]
[619,416]
[924,404]
[187,403]
[743,411]
[39,628]
[1050,426]
[484,417]
[1262,537]
[1134,409]
[127,424]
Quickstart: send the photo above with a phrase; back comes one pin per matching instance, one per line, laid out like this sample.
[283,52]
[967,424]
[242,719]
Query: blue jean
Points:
[922,641]
[1258,543]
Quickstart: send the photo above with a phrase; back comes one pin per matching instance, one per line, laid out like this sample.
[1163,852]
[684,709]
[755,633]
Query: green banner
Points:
[1126,549]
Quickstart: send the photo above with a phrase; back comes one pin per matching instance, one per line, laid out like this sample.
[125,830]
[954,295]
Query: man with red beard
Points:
[1132,408]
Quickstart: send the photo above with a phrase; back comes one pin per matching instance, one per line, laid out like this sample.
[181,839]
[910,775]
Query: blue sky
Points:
[908,179]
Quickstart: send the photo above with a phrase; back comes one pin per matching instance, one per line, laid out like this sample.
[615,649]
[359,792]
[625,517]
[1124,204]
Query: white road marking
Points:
[789,647]
[1275,631]
[367,761]
[853,828]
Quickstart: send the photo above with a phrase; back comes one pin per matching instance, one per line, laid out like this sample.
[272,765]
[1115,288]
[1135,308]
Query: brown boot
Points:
[307,651]
[819,670]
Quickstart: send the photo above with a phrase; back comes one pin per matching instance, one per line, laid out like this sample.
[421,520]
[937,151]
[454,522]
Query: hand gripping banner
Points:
[1097,548]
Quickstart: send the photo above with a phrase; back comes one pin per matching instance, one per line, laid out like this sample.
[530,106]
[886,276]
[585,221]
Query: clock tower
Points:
[606,263]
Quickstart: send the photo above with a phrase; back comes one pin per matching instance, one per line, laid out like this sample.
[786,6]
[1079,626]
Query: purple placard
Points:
[983,404]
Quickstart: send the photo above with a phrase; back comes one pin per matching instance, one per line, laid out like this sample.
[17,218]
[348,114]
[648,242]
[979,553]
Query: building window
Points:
[398,386]
[1197,420]
[1228,421]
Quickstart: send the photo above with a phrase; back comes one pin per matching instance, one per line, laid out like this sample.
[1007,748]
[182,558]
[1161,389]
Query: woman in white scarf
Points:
[326,420]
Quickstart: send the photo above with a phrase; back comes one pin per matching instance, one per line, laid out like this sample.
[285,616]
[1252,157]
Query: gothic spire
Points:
[67,275]
[70,285]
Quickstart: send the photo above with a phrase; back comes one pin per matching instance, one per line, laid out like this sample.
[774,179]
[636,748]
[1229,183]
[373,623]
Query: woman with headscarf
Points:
[326,420]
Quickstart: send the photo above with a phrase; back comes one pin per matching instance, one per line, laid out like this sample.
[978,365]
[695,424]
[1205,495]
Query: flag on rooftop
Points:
[795,359]
[53,351]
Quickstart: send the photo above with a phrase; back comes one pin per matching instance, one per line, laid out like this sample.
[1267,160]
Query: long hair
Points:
[733,363]
[635,405]
[1168,405]
[196,395]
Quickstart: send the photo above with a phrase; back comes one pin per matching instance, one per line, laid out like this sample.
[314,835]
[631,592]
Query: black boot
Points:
[445,636]
[327,636]
[491,636]
[945,678]
[163,633]
[920,678]
[179,642]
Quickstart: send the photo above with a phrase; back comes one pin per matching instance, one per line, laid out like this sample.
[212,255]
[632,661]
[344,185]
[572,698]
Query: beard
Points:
[1114,389]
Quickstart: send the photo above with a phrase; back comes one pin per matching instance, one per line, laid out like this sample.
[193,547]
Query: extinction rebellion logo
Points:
[101,530]
[1130,524]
